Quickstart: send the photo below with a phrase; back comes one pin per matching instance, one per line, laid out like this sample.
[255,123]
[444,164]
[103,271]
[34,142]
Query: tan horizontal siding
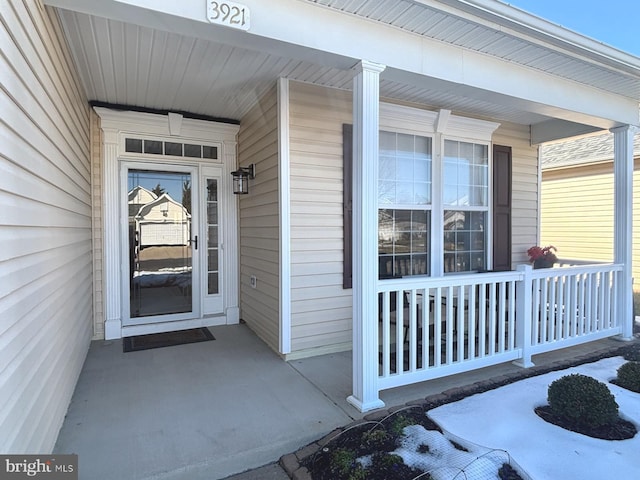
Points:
[259,221]
[524,208]
[318,301]
[46,287]
[321,308]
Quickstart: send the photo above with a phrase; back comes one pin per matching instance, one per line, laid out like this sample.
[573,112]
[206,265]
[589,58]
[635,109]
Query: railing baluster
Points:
[511,313]
[413,328]
[460,327]
[482,320]
[399,331]
[473,308]
[437,336]
[386,340]
[449,325]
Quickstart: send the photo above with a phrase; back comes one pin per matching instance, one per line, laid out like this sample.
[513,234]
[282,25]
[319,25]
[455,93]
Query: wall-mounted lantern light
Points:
[241,178]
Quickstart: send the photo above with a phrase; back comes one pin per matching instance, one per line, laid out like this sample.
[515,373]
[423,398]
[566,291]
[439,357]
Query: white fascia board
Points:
[515,21]
[292,27]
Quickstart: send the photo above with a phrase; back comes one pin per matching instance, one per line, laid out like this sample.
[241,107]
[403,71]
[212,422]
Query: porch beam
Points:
[623,223]
[366,100]
[558,129]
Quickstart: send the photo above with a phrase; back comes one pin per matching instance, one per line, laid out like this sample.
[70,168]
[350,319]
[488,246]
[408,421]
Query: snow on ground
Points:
[504,419]
[443,460]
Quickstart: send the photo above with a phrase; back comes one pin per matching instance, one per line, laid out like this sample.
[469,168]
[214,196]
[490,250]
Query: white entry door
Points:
[163,281]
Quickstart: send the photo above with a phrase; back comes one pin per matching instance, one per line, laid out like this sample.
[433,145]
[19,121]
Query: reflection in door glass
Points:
[212,237]
[160,259]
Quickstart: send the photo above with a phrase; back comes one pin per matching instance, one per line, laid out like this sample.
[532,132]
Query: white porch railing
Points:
[433,327]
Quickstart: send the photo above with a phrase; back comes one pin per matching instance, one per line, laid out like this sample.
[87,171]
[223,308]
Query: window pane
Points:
[171,148]
[465,241]
[194,151]
[403,242]
[387,168]
[387,143]
[406,144]
[385,266]
[404,193]
[153,147]
[213,283]
[209,152]
[213,259]
[213,251]
[133,145]
[404,169]
[386,192]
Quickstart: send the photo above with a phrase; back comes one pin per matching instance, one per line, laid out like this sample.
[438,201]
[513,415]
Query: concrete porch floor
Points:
[213,409]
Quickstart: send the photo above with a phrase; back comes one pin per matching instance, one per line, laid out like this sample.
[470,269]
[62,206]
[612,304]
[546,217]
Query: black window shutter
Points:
[347,204]
[502,177]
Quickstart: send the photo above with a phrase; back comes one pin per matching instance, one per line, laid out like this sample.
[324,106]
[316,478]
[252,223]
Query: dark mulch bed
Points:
[620,430]
[337,460]
[321,465]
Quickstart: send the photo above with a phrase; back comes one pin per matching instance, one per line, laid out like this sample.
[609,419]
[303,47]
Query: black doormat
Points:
[167,339]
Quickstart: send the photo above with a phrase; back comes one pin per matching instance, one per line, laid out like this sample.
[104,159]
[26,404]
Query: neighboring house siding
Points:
[259,221]
[578,212]
[45,228]
[524,208]
[320,307]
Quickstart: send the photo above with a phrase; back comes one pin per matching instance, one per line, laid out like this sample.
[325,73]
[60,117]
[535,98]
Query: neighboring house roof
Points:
[583,150]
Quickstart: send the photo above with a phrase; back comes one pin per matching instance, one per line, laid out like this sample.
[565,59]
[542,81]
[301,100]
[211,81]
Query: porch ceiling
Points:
[169,63]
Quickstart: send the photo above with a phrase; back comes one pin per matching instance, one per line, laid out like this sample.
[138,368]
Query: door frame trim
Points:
[114,125]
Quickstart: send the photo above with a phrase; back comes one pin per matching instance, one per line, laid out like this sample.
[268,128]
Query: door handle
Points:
[195,242]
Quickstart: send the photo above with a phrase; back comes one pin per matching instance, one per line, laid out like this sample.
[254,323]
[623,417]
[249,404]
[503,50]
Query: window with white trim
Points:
[404,204]
[465,206]
[434,202]
[433,193]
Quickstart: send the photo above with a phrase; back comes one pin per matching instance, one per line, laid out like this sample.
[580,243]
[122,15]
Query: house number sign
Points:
[230,14]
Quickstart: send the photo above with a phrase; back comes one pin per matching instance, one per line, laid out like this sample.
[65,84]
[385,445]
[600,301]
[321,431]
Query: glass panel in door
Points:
[213,233]
[160,253]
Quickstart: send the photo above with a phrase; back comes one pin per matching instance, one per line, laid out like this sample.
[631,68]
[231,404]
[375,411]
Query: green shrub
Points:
[400,421]
[629,376]
[343,461]
[375,439]
[582,400]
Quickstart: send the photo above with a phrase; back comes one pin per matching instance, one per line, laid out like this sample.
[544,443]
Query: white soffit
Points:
[129,64]
[537,45]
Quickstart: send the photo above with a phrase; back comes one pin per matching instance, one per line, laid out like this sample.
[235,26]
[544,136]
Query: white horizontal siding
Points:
[321,317]
[46,296]
[259,221]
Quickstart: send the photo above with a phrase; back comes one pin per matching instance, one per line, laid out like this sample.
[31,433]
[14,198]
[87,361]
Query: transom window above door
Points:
[150,146]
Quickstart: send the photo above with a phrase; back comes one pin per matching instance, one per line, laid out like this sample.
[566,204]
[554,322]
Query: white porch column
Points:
[623,226]
[366,99]
[111,231]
